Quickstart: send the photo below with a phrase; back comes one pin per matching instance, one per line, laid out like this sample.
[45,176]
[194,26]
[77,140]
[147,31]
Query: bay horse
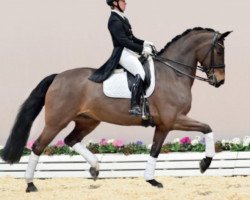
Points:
[71,96]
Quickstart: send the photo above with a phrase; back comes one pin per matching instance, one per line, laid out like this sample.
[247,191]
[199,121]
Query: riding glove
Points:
[147,51]
[148,44]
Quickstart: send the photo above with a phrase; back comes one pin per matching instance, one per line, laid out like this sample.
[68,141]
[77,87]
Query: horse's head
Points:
[212,59]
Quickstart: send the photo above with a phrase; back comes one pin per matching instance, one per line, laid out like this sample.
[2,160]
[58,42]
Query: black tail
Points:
[16,142]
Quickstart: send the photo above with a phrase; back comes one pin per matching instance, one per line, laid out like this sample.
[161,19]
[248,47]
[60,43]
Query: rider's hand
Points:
[148,44]
[147,51]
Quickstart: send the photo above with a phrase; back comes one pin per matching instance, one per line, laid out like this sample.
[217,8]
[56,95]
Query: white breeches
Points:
[129,60]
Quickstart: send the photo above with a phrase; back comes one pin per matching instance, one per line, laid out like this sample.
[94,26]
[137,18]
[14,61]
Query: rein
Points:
[163,61]
[201,68]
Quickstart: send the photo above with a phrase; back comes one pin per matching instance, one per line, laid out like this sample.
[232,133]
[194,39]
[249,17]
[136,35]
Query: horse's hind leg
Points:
[83,127]
[48,134]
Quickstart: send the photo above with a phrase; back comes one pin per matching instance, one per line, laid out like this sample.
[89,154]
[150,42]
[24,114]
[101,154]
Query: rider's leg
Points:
[137,92]
[130,62]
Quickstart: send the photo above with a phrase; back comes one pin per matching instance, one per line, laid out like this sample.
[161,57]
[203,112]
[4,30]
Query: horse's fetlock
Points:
[69,142]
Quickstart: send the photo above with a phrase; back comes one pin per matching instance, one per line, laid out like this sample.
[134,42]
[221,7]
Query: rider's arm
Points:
[138,41]
[117,31]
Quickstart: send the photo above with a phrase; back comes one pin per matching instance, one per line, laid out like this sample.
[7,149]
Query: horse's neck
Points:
[185,58]
[184,51]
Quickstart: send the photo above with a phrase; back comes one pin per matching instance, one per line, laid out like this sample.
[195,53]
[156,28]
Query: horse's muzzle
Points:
[213,81]
[218,84]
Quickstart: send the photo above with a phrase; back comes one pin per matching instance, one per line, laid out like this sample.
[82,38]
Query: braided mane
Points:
[182,35]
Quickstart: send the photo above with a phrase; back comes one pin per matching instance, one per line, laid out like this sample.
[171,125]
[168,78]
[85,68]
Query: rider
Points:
[126,50]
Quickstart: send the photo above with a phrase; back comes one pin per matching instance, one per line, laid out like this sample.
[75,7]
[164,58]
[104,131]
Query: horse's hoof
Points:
[204,164]
[31,188]
[94,173]
[155,183]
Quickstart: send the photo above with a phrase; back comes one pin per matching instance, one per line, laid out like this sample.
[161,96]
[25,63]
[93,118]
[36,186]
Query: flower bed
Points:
[184,144]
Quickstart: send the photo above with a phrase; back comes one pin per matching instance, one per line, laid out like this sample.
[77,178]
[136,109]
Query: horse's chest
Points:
[182,100]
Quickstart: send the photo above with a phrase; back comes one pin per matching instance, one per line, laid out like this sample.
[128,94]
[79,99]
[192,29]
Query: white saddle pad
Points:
[116,86]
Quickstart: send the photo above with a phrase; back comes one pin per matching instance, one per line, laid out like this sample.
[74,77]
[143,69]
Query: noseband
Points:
[206,69]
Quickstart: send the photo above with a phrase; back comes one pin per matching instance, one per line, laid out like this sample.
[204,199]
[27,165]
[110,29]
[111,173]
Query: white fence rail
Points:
[115,165]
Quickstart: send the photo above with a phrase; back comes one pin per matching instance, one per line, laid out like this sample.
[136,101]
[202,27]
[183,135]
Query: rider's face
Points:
[122,4]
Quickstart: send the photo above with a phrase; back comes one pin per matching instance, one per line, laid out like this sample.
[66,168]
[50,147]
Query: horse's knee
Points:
[206,129]
[155,151]
[73,138]
[80,131]
[71,141]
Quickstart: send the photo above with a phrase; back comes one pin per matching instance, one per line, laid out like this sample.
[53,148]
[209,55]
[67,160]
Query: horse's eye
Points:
[219,51]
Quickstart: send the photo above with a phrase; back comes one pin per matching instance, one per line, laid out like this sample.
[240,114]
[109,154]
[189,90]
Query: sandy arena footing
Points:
[188,188]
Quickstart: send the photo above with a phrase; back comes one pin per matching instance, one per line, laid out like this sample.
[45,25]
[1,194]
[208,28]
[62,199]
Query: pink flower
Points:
[60,143]
[118,143]
[103,142]
[185,140]
[30,144]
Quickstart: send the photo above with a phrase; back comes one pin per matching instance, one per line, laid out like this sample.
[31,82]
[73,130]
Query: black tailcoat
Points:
[122,36]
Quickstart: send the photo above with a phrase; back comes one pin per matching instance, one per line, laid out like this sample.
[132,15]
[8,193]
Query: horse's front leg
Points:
[159,137]
[184,123]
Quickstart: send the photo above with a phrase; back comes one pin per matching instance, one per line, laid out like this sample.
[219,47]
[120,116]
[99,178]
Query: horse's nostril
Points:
[222,82]
[218,84]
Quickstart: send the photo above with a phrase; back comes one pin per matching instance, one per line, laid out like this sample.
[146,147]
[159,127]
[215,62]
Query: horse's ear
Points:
[224,35]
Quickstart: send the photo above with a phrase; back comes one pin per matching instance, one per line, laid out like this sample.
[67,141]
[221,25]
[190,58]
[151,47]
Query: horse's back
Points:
[82,72]
[77,75]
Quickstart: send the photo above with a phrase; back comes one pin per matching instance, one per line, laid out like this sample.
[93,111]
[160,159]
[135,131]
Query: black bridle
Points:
[209,70]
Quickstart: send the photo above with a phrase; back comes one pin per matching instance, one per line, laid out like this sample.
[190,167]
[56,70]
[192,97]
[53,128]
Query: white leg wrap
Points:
[149,173]
[210,149]
[29,174]
[85,153]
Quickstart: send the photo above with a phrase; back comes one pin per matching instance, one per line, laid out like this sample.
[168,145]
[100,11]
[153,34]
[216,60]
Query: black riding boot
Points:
[137,91]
